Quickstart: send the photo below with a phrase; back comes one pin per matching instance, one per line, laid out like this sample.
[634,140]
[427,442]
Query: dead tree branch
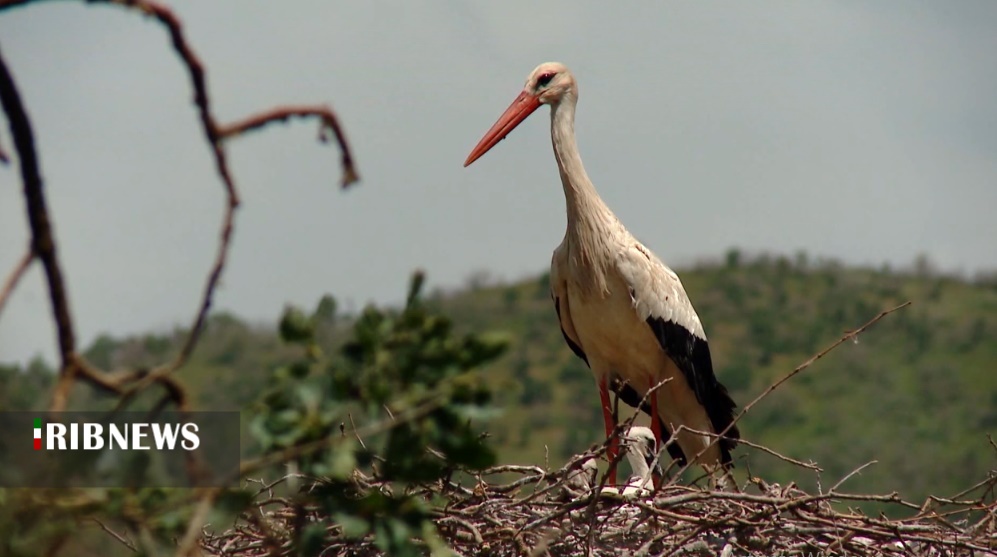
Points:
[42,239]
[73,365]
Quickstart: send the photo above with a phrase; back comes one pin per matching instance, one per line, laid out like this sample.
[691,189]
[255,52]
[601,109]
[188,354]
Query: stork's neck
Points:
[638,464]
[583,202]
[592,227]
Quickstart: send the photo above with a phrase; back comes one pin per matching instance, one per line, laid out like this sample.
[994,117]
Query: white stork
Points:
[621,309]
[580,481]
[641,447]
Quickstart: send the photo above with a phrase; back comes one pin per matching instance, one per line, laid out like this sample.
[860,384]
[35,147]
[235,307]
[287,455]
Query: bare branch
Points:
[215,134]
[15,276]
[850,474]
[848,336]
[124,541]
[763,448]
[328,120]
[4,157]
[42,239]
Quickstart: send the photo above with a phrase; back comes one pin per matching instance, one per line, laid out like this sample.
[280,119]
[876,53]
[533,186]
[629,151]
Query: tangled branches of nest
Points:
[536,513]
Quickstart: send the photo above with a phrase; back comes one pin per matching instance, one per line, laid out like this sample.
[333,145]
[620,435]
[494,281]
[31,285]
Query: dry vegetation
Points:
[529,516]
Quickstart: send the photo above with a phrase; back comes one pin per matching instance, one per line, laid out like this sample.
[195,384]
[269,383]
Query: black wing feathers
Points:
[571,344]
[692,355]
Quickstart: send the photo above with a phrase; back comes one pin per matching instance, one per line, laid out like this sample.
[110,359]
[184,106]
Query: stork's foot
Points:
[613,450]
[656,478]
[612,453]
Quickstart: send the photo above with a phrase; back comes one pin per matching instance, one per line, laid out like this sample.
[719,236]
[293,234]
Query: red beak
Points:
[523,106]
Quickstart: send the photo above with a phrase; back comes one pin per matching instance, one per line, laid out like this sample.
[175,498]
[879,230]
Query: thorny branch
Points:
[73,366]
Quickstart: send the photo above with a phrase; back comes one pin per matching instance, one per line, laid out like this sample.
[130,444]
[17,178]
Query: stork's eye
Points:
[544,79]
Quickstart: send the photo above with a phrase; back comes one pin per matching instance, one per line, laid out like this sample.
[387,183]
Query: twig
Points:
[15,276]
[850,474]
[768,390]
[354,425]
[282,114]
[763,448]
[124,541]
[188,544]
[4,157]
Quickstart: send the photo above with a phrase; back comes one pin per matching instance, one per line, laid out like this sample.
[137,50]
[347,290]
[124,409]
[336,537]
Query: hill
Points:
[917,393]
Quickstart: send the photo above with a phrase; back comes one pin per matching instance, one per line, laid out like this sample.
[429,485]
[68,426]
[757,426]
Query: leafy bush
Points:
[400,402]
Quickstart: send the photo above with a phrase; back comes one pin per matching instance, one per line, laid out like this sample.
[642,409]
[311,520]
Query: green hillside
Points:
[917,392]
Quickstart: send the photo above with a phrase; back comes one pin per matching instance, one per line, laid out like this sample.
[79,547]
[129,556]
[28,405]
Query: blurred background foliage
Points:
[917,393]
[392,395]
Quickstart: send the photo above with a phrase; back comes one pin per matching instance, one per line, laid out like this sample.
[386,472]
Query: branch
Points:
[124,541]
[215,135]
[850,474]
[4,157]
[848,336]
[42,240]
[328,120]
[15,276]
[763,448]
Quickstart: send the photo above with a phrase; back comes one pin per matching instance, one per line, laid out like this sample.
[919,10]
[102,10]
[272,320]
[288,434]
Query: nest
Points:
[538,513]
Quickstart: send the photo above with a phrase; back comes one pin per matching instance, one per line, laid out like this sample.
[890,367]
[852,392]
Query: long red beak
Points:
[523,106]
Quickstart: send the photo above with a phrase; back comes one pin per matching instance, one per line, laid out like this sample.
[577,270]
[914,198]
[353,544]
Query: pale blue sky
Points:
[863,131]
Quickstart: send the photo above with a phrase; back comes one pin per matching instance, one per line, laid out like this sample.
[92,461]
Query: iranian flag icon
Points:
[38,434]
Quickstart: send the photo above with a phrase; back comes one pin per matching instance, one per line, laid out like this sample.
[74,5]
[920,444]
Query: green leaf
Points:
[343,460]
[352,526]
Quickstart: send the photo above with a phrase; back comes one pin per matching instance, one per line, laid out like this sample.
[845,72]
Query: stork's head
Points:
[641,440]
[641,448]
[549,83]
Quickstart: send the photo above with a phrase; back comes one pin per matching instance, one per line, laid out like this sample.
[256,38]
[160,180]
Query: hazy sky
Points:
[864,131]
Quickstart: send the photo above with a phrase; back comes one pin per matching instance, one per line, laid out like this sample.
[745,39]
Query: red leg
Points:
[607,418]
[655,427]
